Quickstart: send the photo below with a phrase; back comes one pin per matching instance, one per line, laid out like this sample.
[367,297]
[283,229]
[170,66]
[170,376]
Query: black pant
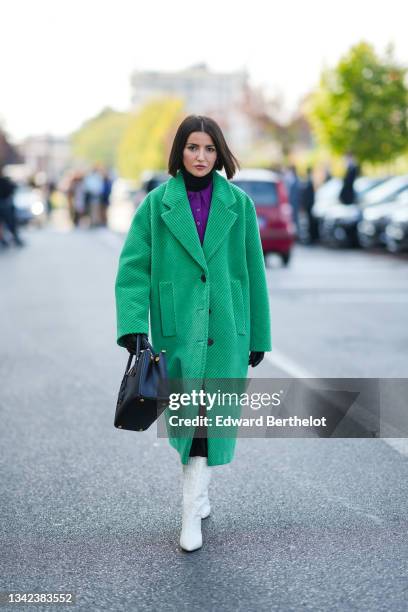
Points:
[199,446]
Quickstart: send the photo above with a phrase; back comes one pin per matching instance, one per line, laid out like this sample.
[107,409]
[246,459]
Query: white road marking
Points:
[283,362]
[359,298]
[287,365]
[399,444]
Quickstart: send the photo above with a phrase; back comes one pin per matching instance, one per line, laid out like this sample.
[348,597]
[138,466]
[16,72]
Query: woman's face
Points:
[200,154]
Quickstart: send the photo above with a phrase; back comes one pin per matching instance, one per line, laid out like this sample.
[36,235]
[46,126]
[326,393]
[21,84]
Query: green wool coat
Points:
[208,304]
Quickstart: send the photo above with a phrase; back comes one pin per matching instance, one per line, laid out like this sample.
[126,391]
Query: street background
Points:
[313,99]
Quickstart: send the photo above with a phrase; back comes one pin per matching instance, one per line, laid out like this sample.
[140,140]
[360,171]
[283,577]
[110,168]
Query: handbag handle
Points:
[128,364]
[138,351]
[137,354]
[139,345]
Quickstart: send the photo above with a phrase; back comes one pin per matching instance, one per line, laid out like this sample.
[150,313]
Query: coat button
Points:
[210,342]
[203,278]
[209,311]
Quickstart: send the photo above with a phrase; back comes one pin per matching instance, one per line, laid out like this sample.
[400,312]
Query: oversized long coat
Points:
[208,303]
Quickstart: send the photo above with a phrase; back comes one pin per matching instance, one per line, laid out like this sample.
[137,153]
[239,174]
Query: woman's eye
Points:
[192,147]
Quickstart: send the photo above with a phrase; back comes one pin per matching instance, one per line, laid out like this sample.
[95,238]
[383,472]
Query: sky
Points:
[62,61]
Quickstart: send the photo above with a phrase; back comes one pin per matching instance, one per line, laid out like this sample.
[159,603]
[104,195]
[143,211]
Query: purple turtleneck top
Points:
[200,207]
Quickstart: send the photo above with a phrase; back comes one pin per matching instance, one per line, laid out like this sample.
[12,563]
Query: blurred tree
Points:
[288,133]
[362,106]
[97,139]
[147,140]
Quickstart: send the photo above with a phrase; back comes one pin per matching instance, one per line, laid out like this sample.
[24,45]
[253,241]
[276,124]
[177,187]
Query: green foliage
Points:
[146,142]
[362,106]
[98,138]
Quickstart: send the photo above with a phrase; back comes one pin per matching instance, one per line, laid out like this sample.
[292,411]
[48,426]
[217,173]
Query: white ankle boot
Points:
[205,481]
[193,489]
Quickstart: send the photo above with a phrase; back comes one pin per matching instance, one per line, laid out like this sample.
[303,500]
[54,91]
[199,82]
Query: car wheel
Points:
[392,246]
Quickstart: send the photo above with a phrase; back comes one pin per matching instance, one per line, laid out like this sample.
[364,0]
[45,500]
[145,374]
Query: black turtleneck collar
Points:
[196,183]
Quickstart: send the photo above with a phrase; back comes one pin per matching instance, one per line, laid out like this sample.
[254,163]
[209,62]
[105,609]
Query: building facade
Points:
[46,154]
[222,96]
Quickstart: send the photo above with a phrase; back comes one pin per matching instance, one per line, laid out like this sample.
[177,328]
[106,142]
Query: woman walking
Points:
[193,259]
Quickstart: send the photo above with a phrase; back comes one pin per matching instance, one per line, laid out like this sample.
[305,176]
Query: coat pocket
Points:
[167,311]
[238,306]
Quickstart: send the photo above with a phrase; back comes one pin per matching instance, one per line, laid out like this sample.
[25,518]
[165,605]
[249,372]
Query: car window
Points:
[365,183]
[155,181]
[386,191]
[263,193]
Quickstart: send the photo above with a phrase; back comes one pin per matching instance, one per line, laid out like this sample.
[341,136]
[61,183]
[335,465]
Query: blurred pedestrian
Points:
[347,193]
[50,188]
[293,186]
[93,187]
[194,287]
[3,241]
[7,209]
[106,194]
[70,194]
[307,199]
[78,198]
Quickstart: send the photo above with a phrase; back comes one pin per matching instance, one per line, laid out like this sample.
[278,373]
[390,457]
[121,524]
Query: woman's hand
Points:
[255,358]
[129,342]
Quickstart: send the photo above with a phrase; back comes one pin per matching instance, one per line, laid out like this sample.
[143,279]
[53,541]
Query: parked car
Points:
[327,195]
[150,180]
[29,205]
[339,225]
[274,213]
[371,228]
[122,204]
[396,232]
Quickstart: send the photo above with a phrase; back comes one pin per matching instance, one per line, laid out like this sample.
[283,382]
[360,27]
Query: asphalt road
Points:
[297,524]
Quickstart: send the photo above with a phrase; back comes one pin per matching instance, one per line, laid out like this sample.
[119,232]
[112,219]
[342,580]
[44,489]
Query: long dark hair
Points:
[200,123]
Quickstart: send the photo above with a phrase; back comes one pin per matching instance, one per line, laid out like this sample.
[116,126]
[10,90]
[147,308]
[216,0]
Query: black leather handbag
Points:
[144,392]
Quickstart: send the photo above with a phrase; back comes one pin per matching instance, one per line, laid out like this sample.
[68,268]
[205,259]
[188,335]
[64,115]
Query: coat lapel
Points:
[220,219]
[179,218]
